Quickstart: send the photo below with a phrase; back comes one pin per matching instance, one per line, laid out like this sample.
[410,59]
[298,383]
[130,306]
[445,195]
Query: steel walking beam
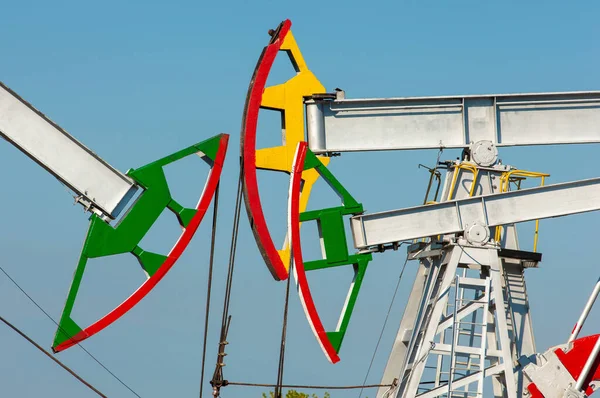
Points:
[106,192]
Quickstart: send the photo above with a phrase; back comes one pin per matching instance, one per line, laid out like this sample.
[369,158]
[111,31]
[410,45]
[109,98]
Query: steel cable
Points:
[279,384]
[62,330]
[62,365]
[217,380]
[209,283]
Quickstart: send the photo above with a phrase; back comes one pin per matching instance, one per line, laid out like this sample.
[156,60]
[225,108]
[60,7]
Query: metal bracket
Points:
[550,376]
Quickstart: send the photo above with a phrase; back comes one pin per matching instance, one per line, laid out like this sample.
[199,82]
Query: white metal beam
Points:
[104,187]
[454,216]
[344,125]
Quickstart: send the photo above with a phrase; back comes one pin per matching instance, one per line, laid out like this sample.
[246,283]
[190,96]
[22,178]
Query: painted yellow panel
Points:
[288,98]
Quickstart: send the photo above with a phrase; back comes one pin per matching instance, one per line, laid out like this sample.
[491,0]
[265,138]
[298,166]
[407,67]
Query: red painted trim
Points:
[299,272]
[173,256]
[248,150]
[574,361]
[533,390]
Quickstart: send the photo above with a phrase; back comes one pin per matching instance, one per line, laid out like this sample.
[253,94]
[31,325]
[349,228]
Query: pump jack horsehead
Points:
[465,241]
[105,192]
[468,229]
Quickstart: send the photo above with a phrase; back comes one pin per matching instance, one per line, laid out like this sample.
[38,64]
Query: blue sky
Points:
[136,80]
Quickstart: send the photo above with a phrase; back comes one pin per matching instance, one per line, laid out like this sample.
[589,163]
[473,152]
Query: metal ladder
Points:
[442,333]
[482,301]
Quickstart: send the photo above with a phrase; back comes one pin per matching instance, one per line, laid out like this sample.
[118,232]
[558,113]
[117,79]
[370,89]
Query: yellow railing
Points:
[515,176]
[505,180]
[464,166]
[460,166]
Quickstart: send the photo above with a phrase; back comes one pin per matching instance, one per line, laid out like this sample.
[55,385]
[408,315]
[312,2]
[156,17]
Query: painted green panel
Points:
[67,329]
[210,147]
[350,204]
[333,234]
[331,225]
[184,215]
[359,272]
[150,262]
[336,340]
[104,240]
[325,263]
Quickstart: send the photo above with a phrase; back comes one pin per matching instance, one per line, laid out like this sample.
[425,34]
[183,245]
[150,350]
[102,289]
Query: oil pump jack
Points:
[467,319]
[467,323]
[141,194]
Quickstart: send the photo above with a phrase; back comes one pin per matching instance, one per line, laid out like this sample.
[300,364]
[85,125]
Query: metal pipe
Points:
[315,126]
[585,313]
[588,366]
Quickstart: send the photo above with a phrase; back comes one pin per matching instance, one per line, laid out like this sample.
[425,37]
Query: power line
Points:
[62,330]
[62,365]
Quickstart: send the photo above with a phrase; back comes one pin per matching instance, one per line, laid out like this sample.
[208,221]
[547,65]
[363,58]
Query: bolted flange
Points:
[484,153]
[477,233]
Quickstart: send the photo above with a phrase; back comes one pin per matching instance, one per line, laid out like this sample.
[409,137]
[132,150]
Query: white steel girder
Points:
[456,216]
[97,184]
[344,125]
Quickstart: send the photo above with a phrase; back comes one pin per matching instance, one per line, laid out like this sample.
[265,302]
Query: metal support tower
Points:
[467,318]
[461,338]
